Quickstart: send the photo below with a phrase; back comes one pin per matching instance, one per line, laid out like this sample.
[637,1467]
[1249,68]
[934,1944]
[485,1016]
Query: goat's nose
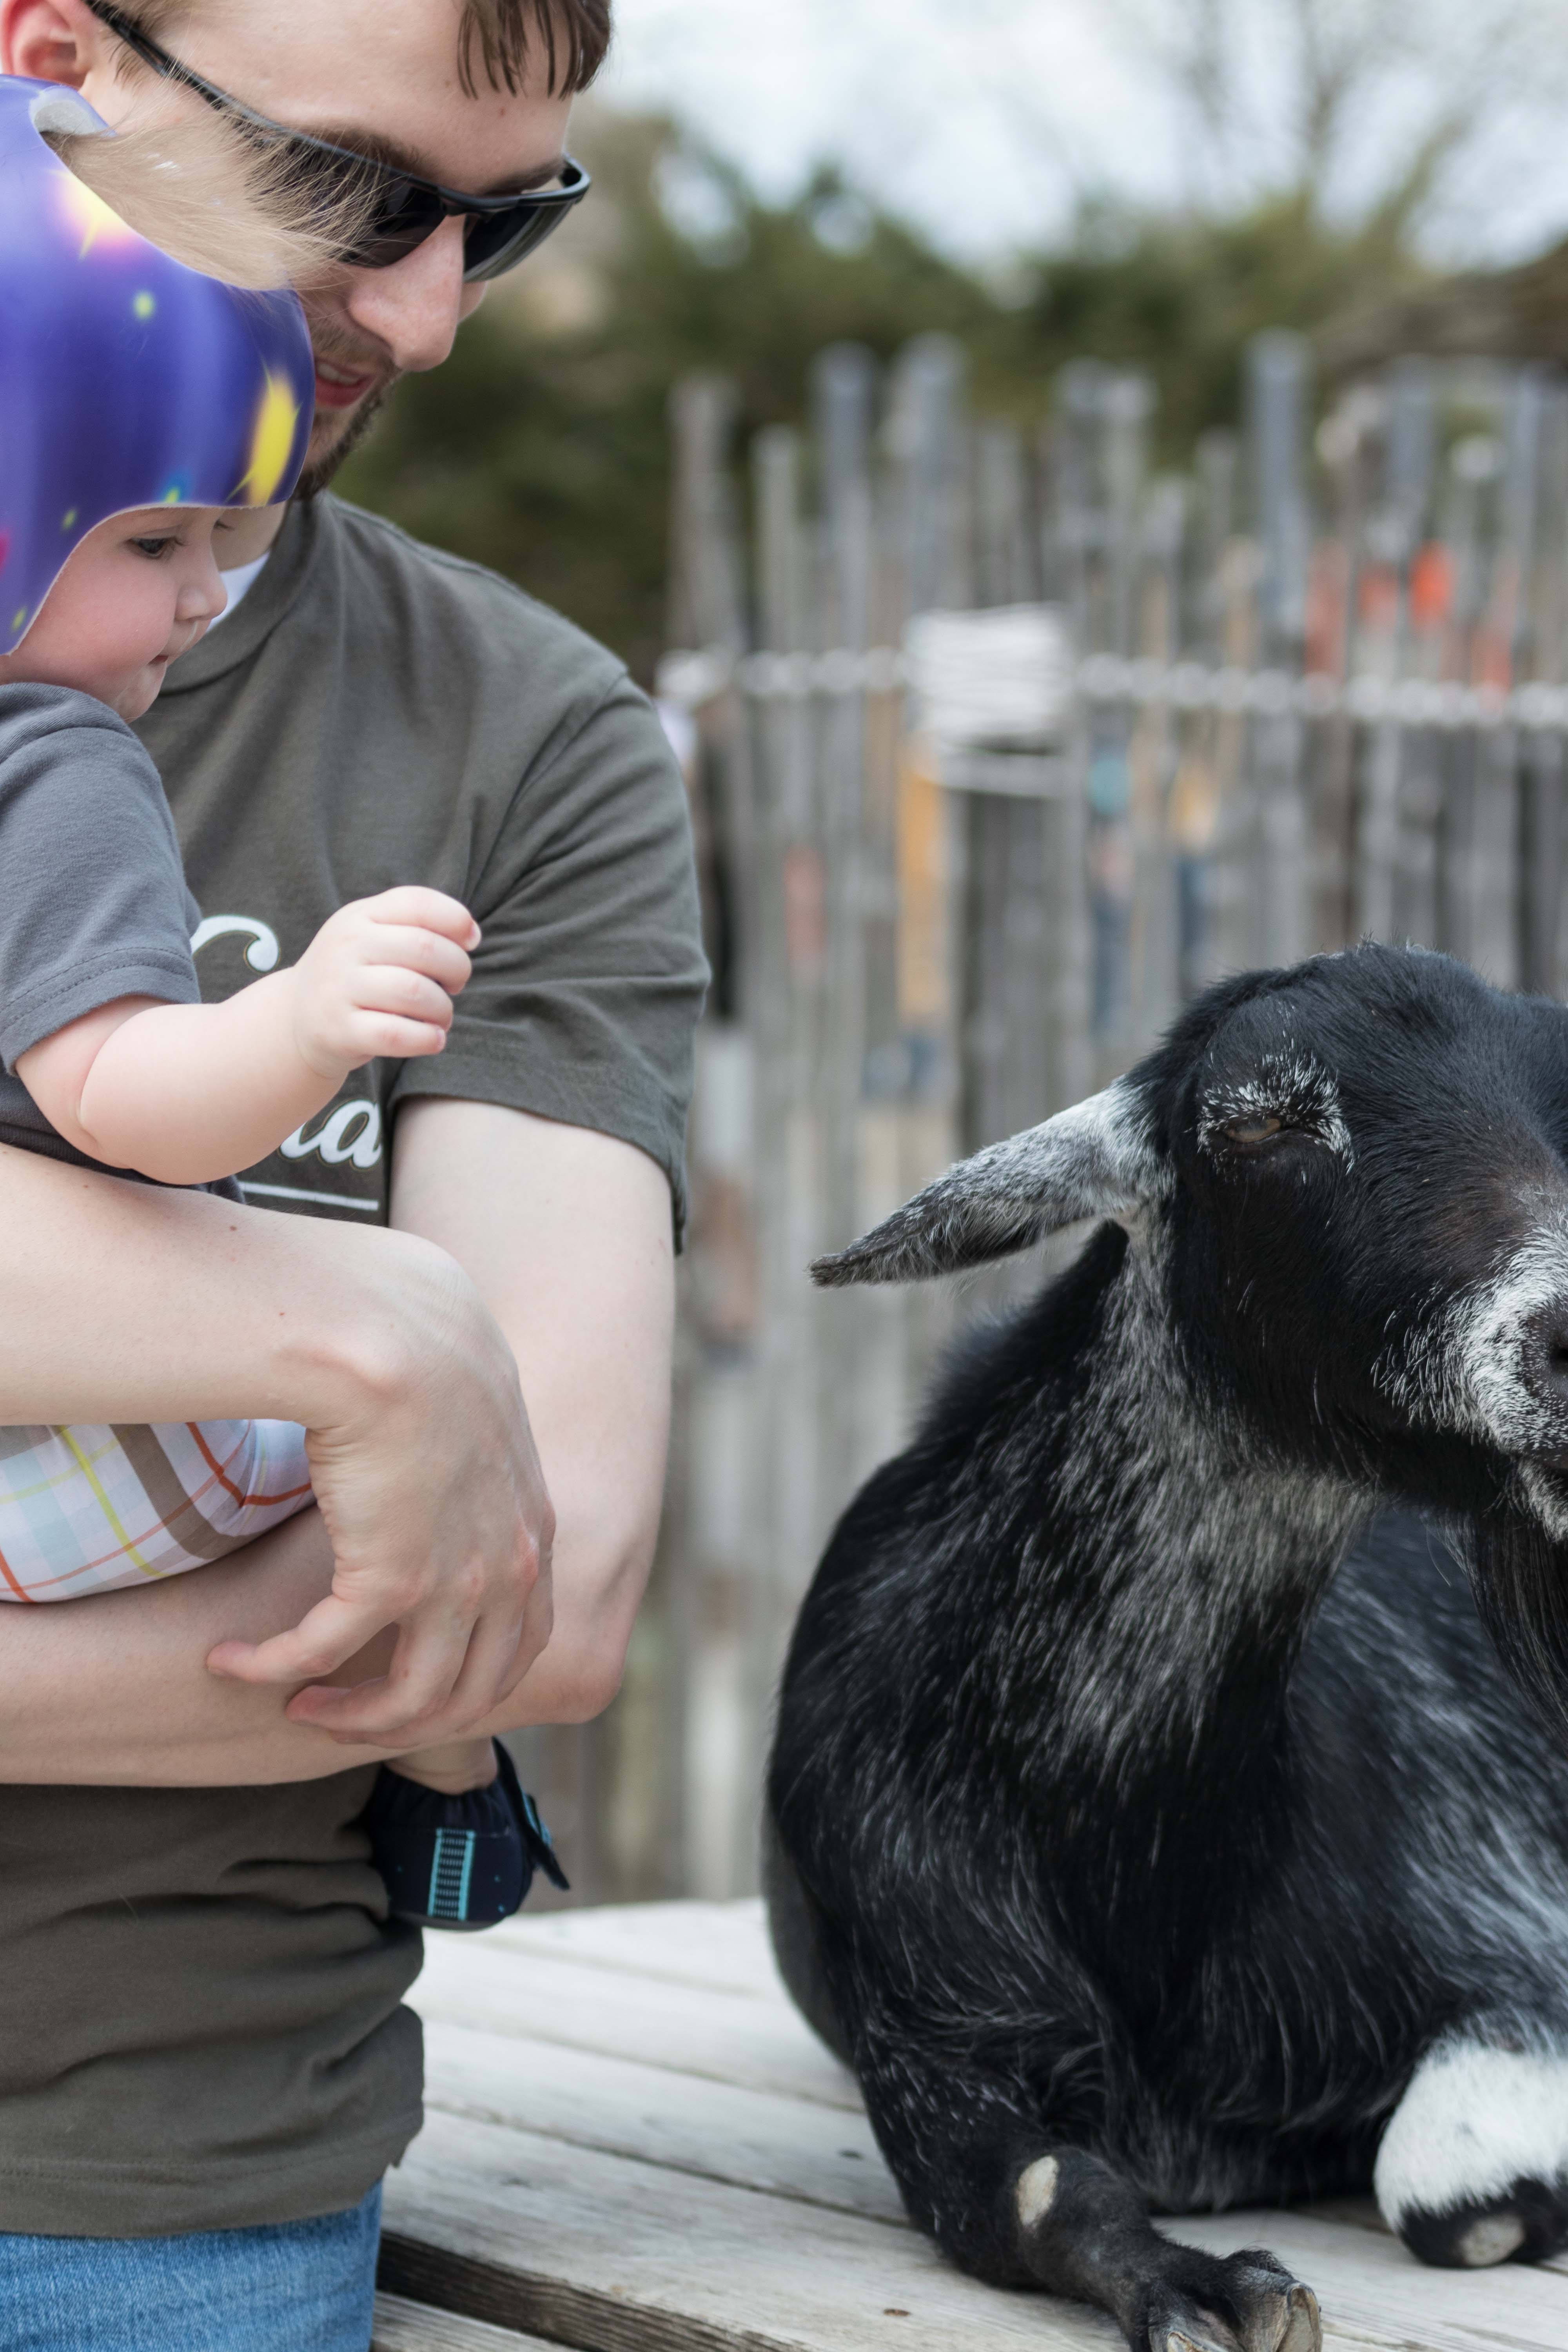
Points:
[1546,1353]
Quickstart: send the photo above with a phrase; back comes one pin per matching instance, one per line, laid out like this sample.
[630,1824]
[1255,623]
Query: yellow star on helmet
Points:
[271,443]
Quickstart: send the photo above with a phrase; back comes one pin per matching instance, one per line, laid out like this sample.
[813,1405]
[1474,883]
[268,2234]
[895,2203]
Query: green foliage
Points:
[1178,299]
[541,448]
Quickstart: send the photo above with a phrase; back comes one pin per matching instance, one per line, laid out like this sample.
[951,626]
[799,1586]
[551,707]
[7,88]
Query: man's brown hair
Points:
[495,37]
[576,34]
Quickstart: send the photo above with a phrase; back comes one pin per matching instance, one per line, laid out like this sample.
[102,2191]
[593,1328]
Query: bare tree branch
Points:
[1364,102]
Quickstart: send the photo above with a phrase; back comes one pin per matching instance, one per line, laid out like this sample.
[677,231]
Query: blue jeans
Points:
[307,2286]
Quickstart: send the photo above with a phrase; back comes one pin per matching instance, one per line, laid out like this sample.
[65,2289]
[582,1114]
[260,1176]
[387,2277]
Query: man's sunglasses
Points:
[500,231]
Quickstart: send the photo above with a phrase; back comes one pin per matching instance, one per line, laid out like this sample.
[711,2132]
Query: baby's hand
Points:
[379,978]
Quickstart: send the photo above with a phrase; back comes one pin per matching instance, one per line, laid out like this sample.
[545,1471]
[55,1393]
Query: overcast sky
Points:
[982,119]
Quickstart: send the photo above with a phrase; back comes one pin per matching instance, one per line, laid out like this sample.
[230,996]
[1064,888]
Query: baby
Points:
[202,398]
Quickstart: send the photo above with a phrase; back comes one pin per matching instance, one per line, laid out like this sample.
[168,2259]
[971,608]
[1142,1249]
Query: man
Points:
[214,2069]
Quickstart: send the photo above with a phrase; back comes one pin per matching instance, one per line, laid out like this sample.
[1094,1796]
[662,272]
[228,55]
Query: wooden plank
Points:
[720,1945]
[1371,2287]
[615,2256]
[403,2326]
[752,2140]
[620,2161]
[724,2036]
[608,2255]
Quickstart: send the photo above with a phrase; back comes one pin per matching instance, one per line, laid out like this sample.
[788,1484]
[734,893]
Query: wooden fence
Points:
[999,751]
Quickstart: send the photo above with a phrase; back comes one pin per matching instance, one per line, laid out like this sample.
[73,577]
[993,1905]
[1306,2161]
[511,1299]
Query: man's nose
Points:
[415,308]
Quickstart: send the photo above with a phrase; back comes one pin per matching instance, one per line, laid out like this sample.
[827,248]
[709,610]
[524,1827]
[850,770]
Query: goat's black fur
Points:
[1149,1806]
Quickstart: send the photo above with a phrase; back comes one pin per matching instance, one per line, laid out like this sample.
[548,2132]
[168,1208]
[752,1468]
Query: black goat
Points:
[1149,1820]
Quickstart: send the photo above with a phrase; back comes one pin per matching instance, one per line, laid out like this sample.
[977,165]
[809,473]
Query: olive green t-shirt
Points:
[202,1988]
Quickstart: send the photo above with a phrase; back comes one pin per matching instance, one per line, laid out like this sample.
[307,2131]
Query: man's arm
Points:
[566,1235]
[128,1303]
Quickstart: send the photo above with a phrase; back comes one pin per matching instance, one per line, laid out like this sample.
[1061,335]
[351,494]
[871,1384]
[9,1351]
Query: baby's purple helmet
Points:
[126,380]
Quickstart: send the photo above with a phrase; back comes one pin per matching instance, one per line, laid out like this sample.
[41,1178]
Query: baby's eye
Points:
[153,548]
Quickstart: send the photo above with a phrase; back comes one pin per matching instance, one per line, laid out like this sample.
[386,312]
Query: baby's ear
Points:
[1096,1161]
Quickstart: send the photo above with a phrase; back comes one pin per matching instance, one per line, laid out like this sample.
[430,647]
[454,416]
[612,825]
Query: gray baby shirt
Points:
[93,902]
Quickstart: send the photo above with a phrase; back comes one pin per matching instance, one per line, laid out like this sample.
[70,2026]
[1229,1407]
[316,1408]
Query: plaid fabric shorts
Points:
[88,1509]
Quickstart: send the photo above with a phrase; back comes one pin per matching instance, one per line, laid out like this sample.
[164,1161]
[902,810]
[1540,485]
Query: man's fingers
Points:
[425,1666]
[331,1633]
[538,1622]
[487,1675]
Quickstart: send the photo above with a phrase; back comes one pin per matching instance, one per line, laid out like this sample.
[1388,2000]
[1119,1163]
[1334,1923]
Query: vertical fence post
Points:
[1406,755]
[842,395]
[1154,762]
[1278,392]
[1498,934]
[715,1558]
[1071,529]
[1542,812]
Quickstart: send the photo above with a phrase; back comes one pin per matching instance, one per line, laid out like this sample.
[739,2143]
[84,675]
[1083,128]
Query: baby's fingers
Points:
[368,1036]
[331,1632]
[431,910]
[388,988]
[416,948]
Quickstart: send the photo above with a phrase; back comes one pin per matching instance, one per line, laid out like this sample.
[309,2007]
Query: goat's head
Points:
[1352,1181]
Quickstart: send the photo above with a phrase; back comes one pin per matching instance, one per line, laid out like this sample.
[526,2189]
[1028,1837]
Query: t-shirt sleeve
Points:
[587,985]
[93,904]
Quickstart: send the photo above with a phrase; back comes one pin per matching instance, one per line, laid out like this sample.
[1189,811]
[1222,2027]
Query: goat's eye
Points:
[1256,1128]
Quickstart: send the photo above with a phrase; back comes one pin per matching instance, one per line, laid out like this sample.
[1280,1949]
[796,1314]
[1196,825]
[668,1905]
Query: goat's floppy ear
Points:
[1092,1161]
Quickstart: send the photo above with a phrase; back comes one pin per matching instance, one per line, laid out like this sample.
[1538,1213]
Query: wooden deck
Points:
[633,2145]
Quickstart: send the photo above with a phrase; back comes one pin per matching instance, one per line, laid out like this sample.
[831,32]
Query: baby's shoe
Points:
[464,1863]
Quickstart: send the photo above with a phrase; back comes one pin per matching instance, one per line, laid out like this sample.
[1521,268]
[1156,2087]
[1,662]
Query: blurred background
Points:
[1087,481]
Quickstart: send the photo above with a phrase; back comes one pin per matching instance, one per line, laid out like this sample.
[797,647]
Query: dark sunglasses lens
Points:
[498,244]
[399,225]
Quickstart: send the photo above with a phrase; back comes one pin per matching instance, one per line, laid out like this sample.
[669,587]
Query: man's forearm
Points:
[579,1273]
[129,1303]
[126,1302]
[113,1691]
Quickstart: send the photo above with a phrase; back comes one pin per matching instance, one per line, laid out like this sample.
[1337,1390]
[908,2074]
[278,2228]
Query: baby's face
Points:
[138,592]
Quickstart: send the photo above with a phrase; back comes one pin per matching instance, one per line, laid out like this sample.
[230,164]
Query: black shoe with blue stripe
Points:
[462,1862]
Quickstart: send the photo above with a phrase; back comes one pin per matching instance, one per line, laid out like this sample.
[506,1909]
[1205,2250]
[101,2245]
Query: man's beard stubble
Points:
[316,475]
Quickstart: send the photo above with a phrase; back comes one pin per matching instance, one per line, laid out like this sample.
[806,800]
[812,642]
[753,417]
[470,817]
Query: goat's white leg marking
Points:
[1472,2123]
[1036,2191]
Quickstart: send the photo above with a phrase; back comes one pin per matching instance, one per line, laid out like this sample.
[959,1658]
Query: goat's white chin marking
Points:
[1037,2190]
[1472,2123]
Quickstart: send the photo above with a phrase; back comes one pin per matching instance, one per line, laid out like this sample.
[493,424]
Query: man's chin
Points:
[335,437]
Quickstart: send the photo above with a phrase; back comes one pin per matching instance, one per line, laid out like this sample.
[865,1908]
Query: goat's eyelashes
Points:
[1258,1126]
[1287,1099]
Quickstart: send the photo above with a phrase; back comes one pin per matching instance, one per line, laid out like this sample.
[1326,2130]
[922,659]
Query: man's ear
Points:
[1093,1162]
[49,40]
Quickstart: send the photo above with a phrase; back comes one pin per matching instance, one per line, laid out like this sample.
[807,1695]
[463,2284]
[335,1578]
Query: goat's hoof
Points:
[1245,2302]
[1183,2327]
[1274,2312]
[1527,2225]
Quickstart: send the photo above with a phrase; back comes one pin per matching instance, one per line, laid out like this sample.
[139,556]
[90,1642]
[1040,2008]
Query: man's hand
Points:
[379,978]
[439,1526]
